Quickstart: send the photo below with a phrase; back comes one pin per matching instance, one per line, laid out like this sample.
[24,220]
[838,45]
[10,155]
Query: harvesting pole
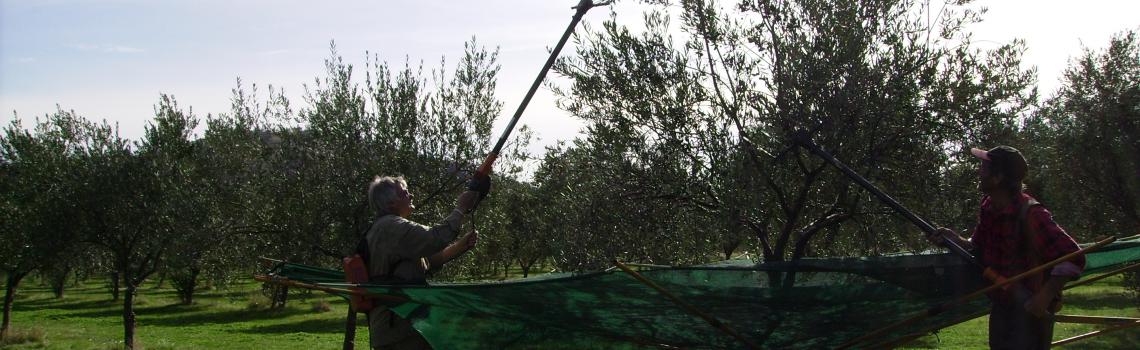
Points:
[479,181]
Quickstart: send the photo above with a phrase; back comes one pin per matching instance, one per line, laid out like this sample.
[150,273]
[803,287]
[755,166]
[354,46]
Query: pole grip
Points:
[485,168]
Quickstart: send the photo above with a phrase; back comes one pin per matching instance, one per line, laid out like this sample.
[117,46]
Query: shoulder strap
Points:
[1023,215]
[386,277]
[1028,241]
[362,246]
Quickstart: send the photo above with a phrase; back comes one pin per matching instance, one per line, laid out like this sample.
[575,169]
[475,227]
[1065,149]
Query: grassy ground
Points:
[224,319]
[86,318]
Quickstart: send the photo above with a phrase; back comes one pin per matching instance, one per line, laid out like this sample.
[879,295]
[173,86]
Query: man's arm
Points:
[1054,242]
[454,250]
[420,241]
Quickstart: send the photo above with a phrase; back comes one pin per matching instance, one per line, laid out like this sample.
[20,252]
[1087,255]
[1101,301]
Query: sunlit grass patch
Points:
[256,300]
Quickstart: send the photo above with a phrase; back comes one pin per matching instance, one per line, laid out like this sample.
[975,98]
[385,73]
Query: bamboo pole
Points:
[1103,276]
[287,282]
[1084,319]
[1060,318]
[1128,238]
[716,323]
[894,343]
[1117,321]
[908,338]
[651,266]
[937,309]
[1115,328]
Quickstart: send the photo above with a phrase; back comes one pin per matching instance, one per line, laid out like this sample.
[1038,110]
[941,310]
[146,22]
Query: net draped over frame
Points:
[808,304]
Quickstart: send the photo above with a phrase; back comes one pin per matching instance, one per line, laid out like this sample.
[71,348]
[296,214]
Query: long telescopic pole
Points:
[804,140]
[583,6]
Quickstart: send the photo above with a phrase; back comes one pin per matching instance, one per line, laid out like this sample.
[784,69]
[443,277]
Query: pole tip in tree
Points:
[585,5]
[802,138]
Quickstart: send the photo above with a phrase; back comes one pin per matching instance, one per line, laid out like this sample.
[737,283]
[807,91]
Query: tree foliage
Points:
[1093,125]
[42,179]
[700,122]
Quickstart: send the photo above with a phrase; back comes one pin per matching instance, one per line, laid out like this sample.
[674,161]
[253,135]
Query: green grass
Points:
[223,319]
[86,318]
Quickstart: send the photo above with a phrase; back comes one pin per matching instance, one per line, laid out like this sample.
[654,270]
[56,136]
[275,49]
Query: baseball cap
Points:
[1005,160]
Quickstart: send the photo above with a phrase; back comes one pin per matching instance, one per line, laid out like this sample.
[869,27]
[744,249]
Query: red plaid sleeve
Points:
[1052,239]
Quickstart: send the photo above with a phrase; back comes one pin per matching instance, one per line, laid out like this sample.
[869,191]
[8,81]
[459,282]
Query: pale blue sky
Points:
[110,59]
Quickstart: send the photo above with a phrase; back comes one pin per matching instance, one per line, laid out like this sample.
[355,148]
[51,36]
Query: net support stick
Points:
[716,323]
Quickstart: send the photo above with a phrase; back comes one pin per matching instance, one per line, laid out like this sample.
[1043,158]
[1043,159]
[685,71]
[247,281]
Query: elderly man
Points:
[403,252]
[1014,234]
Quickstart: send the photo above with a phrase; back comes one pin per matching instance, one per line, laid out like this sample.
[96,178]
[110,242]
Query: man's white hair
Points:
[382,193]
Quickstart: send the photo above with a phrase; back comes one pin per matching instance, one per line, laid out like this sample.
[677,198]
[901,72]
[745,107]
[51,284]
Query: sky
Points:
[111,59]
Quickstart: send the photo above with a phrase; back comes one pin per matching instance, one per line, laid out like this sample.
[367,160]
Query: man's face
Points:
[403,205]
[987,180]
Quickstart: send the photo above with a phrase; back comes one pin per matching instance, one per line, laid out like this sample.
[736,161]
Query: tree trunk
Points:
[729,247]
[115,286]
[58,281]
[129,317]
[280,296]
[184,285]
[77,276]
[350,329]
[13,281]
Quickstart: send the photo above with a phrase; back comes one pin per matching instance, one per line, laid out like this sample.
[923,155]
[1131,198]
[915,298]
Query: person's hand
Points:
[466,201]
[470,239]
[940,236]
[1039,304]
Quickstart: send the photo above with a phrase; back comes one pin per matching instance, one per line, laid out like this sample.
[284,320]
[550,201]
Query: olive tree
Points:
[702,117]
[41,177]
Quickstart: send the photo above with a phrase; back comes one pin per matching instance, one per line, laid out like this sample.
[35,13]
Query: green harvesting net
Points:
[809,304]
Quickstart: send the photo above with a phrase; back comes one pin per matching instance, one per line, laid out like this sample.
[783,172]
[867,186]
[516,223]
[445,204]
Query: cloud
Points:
[107,48]
[273,52]
[25,60]
[123,49]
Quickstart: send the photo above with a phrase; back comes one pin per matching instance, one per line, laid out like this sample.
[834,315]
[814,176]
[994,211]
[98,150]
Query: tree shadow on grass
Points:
[1103,301]
[225,294]
[61,304]
[222,317]
[142,311]
[331,326]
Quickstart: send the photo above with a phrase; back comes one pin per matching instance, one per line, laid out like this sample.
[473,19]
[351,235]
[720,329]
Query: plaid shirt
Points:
[996,237]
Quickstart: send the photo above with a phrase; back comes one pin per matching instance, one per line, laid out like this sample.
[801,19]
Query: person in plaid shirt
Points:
[1015,233]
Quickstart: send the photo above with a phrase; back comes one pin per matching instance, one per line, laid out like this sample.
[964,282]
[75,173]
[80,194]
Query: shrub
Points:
[1132,284]
[22,336]
[258,301]
[321,306]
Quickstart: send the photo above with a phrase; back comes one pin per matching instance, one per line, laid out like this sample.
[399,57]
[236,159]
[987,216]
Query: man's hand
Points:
[470,239]
[1038,305]
[453,250]
[1041,303]
[940,236]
